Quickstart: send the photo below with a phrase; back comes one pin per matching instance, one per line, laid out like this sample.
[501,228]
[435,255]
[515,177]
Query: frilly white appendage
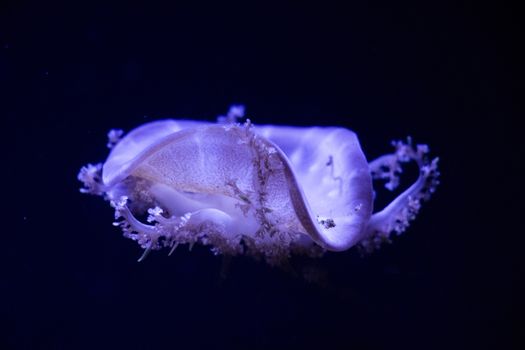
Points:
[91,176]
[396,216]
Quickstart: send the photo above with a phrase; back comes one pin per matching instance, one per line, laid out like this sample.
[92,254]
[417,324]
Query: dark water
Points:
[440,73]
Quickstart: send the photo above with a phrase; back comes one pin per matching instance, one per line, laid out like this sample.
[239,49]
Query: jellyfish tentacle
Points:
[91,177]
[122,211]
[397,215]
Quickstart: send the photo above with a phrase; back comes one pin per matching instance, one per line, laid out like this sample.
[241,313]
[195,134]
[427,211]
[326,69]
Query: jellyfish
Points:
[265,191]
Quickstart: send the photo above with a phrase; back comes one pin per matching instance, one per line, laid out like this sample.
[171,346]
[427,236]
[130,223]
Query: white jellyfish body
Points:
[259,190]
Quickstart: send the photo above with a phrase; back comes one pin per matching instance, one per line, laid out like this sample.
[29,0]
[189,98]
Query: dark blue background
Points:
[438,72]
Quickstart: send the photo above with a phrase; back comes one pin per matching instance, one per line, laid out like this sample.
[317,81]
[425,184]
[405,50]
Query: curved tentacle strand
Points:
[396,216]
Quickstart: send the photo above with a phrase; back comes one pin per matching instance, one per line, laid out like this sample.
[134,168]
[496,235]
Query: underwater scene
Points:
[203,175]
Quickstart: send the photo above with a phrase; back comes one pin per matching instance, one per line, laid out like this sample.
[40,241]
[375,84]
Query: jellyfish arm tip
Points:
[91,177]
[396,216]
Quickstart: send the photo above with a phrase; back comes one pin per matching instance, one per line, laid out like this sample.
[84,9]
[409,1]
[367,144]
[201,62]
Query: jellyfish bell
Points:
[266,190]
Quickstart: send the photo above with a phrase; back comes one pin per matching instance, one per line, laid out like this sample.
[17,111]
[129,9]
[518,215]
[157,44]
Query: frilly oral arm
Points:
[396,216]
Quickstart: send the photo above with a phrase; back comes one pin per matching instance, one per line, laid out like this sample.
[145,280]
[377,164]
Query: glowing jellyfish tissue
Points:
[261,190]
